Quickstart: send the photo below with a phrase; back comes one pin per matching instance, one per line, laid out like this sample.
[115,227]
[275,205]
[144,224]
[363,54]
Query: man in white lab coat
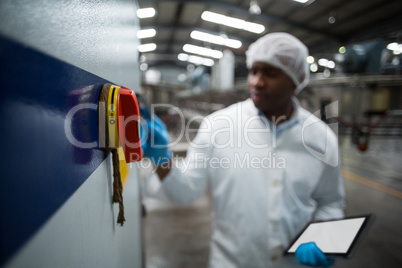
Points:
[272,166]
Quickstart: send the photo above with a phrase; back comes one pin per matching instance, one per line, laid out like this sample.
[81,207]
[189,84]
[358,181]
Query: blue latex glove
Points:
[154,139]
[309,254]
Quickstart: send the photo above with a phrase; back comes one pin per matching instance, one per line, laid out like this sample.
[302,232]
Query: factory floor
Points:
[178,236]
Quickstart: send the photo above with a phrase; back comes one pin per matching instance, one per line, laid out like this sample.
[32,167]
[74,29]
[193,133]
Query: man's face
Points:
[270,88]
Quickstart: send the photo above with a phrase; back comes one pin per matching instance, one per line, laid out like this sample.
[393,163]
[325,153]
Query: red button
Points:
[129,124]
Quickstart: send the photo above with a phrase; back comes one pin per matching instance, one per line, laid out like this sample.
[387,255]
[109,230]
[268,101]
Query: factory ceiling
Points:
[323,25]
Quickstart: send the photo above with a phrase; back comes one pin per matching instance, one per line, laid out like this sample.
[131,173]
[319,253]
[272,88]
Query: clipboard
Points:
[336,238]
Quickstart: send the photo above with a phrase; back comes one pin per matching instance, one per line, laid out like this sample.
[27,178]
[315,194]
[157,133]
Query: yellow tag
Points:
[112,117]
[123,167]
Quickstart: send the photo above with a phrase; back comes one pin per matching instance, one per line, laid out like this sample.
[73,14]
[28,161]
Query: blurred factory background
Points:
[194,53]
[187,58]
[355,86]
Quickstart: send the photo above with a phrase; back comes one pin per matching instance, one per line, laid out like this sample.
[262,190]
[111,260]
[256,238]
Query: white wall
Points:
[84,233]
[98,36]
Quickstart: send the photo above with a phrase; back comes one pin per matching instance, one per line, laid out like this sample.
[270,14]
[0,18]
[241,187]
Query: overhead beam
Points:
[179,11]
[376,29]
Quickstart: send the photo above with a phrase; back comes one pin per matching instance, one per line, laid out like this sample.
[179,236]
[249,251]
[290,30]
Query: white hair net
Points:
[285,52]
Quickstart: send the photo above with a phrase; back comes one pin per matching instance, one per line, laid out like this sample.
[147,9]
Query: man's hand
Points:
[309,254]
[154,139]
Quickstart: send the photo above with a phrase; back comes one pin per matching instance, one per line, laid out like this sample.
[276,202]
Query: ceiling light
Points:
[232,22]
[301,1]
[331,64]
[342,50]
[195,59]
[313,67]
[322,62]
[254,8]
[182,57]
[147,47]
[143,67]
[392,46]
[146,33]
[216,39]
[203,51]
[143,13]
[395,47]
[332,18]
[200,60]
[253,27]
[326,63]
[310,59]
[398,51]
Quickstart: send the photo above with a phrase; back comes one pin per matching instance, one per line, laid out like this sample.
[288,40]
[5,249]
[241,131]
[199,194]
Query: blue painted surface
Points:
[40,168]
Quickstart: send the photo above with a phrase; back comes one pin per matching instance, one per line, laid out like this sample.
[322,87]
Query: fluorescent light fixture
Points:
[203,51]
[182,57]
[253,27]
[195,59]
[314,67]
[326,63]
[395,47]
[331,64]
[143,13]
[342,50]
[301,1]
[232,22]
[254,8]
[323,62]
[200,60]
[146,33]
[392,46]
[147,47]
[216,39]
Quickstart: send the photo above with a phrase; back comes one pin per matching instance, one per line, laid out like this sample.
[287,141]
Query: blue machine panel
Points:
[40,167]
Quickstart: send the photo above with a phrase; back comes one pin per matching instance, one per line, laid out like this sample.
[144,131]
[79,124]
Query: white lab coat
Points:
[265,188]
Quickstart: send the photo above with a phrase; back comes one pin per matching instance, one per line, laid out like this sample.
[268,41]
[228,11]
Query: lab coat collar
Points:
[294,118]
[255,111]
